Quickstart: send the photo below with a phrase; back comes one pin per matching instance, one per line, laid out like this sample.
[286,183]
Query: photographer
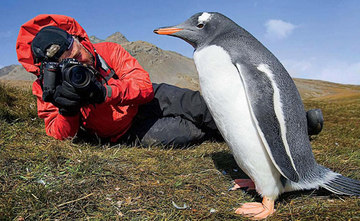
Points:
[103,89]
[118,103]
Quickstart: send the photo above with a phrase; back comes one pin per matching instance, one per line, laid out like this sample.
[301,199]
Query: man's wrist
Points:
[108,92]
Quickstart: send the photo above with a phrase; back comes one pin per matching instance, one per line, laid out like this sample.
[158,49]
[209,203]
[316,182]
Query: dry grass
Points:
[41,178]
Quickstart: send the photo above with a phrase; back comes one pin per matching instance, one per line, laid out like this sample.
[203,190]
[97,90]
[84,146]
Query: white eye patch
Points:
[204,17]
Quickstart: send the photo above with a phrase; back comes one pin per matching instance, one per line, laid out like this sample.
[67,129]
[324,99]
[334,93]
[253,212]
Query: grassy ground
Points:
[41,178]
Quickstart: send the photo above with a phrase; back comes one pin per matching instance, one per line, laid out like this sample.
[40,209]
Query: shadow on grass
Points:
[226,164]
[85,137]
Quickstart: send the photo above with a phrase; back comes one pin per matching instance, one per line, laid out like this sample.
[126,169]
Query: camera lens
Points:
[79,76]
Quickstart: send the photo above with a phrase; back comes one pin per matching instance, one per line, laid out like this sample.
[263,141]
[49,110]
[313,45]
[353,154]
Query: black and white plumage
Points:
[256,107]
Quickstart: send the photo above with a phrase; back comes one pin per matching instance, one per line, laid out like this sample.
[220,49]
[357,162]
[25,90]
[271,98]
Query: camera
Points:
[69,70]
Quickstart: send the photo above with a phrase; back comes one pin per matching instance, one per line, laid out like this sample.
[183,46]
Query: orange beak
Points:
[167,31]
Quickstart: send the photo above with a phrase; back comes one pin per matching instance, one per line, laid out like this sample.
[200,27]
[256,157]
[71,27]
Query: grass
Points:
[42,178]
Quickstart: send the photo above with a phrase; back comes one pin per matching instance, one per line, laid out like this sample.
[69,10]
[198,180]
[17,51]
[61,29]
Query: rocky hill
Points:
[117,37]
[15,72]
[164,66]
[173,68]
[6,70]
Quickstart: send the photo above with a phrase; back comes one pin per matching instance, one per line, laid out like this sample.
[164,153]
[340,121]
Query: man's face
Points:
[78,52]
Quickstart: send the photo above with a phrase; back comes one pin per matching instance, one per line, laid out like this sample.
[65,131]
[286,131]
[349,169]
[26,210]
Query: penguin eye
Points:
[201,25]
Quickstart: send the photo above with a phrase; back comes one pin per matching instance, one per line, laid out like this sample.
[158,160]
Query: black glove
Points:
[97,92]
[67,99]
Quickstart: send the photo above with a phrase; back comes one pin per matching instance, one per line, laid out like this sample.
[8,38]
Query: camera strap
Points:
[106,68]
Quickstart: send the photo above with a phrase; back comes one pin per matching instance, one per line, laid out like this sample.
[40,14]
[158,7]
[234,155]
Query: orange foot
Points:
[243,183]
[257,211]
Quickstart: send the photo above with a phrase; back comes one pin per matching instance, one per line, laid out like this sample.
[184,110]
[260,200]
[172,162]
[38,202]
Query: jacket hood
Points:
[29,30]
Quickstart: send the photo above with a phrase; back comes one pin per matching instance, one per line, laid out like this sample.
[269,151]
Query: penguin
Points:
[257,109]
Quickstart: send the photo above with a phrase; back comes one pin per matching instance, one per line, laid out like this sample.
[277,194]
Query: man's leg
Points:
[175,117]
[172,101]
[166,131]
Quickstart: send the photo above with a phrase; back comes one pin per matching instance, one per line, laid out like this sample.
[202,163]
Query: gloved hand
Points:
[97,92]
[67,99]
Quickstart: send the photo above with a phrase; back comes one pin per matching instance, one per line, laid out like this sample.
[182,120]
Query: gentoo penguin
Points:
[258,110]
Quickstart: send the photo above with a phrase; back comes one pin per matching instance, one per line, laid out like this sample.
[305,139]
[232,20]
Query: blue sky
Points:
[316,39]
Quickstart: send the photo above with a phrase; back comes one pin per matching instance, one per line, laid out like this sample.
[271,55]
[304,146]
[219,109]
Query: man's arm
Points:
[56,125]
[134,85]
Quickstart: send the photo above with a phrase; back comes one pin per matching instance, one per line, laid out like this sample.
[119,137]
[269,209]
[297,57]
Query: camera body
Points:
[69,70]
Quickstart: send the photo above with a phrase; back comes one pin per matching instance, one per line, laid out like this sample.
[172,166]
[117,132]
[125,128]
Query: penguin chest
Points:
[224,93]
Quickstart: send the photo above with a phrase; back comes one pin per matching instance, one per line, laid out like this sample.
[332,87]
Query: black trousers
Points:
[176,117]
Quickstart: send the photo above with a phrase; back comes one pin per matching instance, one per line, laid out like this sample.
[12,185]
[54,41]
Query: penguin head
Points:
[199,29]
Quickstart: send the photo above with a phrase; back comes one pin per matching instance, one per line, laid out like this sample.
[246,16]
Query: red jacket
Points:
[110,119]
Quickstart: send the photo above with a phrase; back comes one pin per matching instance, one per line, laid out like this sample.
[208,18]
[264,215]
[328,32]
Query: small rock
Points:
[179,207]
[41,182]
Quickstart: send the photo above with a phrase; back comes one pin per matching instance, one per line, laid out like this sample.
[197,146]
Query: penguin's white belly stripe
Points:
[278,109]
[225,96]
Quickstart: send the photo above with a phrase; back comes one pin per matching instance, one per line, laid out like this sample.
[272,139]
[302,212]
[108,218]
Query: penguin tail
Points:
[342,185]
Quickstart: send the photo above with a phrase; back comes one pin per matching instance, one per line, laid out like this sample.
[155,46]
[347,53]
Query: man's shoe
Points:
[315,121]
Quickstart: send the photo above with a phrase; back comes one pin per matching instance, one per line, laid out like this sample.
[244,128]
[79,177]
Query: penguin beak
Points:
[167,30]
[183,31]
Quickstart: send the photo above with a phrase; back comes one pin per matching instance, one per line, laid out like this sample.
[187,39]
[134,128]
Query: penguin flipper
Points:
[265,108]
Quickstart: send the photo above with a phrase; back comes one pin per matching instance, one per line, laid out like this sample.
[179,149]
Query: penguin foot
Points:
[257,211]
[243,183]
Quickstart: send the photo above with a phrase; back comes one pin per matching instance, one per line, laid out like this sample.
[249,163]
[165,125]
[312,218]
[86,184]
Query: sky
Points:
[318,39]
